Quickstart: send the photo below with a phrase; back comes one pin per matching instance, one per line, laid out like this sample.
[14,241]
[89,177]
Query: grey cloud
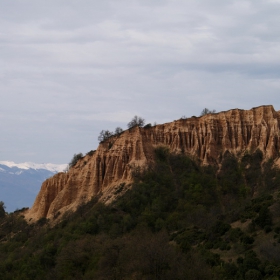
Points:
[70,69]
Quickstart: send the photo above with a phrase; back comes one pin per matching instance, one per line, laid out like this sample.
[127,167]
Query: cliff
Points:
[208,137]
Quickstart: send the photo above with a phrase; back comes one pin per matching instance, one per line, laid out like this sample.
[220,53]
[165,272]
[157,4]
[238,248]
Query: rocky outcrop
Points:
[207,138]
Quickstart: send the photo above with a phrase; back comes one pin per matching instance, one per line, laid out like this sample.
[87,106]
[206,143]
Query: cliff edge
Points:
[103,172]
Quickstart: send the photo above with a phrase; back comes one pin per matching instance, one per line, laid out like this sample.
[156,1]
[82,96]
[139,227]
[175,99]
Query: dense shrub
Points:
[91,153]
[2,209]
[253,274]
[173,223]
[75,159]
[149,125]
[264,218]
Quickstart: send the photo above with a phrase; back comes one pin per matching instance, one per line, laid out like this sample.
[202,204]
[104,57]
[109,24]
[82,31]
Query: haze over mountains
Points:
[20,183]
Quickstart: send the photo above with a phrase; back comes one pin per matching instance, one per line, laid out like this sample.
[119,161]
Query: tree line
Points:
[135,121]
[106,134]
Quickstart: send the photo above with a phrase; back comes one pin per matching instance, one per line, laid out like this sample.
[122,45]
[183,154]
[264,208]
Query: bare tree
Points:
[206,111]
[118,130]
[104,135]
[136,121]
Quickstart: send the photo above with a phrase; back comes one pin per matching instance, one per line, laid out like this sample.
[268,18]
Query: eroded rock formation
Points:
[206,137]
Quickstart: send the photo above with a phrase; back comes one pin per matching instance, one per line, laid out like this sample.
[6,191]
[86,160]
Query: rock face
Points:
[207,137]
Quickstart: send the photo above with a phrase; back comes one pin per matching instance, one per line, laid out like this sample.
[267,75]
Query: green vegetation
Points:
[106,134]
[91,153]
[75,159]
[148,125]
[2,209]
[180,220]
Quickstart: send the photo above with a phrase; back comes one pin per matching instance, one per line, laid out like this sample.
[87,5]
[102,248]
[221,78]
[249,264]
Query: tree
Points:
[118,130]
[2,209]
[136,121]
[104,135]
[75,159]
[206,111]
[253,274]
[264,218]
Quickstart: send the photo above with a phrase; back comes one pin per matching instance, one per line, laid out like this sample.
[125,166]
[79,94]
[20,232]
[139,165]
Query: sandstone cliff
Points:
[206,137]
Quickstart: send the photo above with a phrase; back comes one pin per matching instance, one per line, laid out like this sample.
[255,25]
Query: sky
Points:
[69,68]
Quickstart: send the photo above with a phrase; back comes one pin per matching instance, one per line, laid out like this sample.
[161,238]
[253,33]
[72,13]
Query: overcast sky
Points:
[69,69]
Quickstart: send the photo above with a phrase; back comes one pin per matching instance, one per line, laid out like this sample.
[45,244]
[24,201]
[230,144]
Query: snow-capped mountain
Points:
[21,182]
[31,165]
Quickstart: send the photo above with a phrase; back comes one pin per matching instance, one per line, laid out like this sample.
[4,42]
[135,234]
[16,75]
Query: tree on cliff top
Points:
[206,111]
[118,130]
[136,121]
[2,209]
[75,159]
[104,135]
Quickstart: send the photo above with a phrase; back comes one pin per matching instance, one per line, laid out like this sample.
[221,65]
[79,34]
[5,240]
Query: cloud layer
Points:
[70,69]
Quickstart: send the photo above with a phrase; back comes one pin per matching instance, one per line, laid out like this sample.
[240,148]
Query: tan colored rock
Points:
[206,137]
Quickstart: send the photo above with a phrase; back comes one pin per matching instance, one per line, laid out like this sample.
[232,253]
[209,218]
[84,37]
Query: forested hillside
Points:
[180,220]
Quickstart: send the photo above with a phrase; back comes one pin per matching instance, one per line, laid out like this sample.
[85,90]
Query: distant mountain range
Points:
[20,183]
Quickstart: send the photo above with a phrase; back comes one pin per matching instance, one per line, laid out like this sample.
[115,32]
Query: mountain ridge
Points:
[107,170]
[20,183]
[31,165]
